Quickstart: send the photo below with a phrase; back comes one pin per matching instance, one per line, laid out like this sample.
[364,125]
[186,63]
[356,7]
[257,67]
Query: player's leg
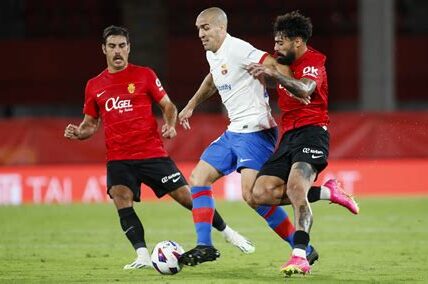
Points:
[253,149]
[201,179]
[182,195]
[123,189]
[308,152]
[331,191]
[301,177]
[216,161]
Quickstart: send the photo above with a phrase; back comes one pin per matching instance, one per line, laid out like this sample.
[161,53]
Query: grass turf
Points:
[386,243]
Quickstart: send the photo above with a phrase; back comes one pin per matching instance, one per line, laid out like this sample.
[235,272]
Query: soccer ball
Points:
[165,257]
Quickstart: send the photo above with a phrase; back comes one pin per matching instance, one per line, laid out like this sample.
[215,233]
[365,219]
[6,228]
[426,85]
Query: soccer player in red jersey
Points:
[121,98]
[302,154]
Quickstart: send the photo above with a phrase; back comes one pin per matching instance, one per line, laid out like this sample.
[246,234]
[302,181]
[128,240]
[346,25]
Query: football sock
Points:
[301,242]
[316,193]
[203,213]
[143,253]
[278,220]
[132,227]
[218,222]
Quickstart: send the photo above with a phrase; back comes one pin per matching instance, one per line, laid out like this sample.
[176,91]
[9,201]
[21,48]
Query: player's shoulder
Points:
[140,69]
[314,55]
[237,42]
[97,80]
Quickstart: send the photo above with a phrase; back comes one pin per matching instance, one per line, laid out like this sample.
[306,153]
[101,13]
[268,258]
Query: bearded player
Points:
[302,154]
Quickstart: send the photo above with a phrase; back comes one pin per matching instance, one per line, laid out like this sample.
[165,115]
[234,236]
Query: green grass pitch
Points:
[386,243]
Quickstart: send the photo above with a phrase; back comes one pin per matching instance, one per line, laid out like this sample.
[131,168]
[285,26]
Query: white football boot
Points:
[142,261]
[239,241]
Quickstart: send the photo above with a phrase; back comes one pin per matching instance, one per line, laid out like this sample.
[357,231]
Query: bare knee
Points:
[122,196]
[300,180]
[248,197]
[296,192]
[183,196]
[267,191]
[203,175]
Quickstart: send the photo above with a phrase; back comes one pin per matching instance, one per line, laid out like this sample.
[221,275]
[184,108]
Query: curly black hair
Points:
[293,25]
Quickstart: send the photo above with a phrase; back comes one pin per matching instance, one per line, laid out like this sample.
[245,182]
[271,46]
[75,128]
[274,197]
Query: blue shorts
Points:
[234,151]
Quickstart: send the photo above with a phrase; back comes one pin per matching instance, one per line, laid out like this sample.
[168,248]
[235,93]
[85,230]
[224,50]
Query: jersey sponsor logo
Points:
[224,87]
[118,104]
[310,71]
[131,88]
[312,151]
[174,177]
[159,85]
[244,160]
[100,94]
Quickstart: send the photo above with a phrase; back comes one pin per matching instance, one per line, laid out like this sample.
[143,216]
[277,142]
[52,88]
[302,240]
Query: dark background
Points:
[49,49]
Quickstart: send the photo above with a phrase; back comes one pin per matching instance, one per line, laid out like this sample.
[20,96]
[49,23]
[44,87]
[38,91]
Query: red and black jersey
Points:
[124,100]
[294,114]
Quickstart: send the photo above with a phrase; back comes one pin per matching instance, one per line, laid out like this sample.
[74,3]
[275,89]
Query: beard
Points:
[286,59]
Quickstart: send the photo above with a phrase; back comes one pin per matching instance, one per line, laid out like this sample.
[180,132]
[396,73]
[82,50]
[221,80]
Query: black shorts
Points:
[160,174]
[305,144]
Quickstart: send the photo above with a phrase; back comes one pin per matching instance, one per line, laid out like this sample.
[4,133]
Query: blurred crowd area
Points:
[51,48]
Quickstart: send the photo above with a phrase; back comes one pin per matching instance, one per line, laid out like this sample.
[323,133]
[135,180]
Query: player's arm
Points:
[302,88]
[206,90]
[268,81]
[169,112]
[271,64]
[85,130]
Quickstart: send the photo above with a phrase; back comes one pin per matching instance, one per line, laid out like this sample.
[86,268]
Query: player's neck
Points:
[301,51]
[220,44]
[113,70]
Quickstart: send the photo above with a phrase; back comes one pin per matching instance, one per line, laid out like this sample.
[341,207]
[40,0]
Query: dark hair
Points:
[115,30]
[292,25]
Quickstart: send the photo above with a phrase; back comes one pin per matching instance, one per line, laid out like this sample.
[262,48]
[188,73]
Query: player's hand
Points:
[72,131]
[304,101]
[168,132]
[259,71]
[184,115]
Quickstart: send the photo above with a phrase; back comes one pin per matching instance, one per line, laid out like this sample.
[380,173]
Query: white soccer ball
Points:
[165,257]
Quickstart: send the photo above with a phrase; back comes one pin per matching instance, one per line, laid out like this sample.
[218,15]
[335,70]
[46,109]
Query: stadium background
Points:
[377,58]
[376,66]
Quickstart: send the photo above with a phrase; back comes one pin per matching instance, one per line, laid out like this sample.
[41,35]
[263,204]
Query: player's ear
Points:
[103,47]
[298,41]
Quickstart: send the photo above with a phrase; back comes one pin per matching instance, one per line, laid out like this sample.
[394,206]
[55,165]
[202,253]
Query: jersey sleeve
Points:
[90,107]
[252,54]
[313,69]
[157,92]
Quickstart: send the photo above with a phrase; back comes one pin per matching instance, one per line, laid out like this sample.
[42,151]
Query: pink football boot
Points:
[296,265]
[339,196]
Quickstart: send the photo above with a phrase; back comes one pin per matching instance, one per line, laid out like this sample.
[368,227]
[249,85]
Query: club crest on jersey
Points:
[131,88]
[224,69]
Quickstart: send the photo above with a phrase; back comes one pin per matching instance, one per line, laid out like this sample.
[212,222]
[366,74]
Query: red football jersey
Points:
[124,102]
[294,114]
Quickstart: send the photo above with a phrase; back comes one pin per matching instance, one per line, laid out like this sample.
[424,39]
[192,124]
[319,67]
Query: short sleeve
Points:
[313,69]
[90,107]
[157,91]
[252,54]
